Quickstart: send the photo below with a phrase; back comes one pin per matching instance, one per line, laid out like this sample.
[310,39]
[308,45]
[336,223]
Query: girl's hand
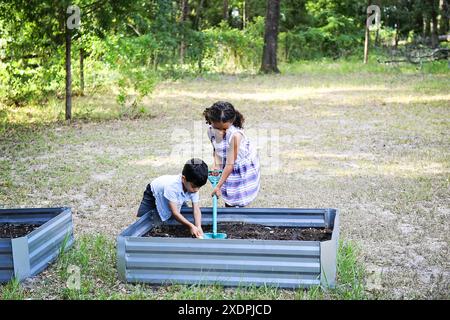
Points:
[216,192]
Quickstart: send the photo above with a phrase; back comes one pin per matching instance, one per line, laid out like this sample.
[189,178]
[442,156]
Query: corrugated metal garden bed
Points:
[30,239]
[233,262]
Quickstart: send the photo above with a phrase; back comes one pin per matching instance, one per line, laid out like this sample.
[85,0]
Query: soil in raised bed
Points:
[240,230]
[9,230]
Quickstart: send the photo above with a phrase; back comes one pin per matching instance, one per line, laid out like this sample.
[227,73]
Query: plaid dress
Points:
[242,185]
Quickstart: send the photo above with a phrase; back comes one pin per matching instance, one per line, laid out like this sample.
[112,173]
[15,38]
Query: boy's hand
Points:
[215,171]
[200,228]
[216,192]
[196,232]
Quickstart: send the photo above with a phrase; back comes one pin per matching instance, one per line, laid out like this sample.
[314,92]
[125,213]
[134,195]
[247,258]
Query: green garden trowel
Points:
[214,177]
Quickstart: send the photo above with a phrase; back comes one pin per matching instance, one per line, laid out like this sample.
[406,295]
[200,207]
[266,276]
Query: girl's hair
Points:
[222,111]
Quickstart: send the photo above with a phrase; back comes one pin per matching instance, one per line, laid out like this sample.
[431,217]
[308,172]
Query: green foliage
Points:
[134,59]
[131,45]
[335,30]
[233,50]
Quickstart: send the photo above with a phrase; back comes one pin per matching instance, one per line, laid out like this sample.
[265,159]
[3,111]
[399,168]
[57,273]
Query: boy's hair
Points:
[196,172]
[223,111]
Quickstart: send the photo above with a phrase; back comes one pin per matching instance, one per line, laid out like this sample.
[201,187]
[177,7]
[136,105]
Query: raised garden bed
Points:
[30,239]
[167,254]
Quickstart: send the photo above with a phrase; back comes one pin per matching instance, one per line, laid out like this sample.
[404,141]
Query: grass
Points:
[87,271]
[12,291]
[354,64]
[373,143]
[101,105]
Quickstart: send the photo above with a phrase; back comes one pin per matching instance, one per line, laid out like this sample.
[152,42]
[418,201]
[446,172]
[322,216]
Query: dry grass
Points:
[375,146]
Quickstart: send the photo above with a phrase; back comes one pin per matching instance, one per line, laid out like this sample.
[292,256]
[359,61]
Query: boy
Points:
[165,195]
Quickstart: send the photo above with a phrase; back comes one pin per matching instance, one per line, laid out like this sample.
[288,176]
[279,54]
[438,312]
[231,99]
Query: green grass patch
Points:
[12,291]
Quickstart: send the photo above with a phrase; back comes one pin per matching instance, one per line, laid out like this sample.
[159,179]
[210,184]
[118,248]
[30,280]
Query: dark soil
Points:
[240,230]
[8,230]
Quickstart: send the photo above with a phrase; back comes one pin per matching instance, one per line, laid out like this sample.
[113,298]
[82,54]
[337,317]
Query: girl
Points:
[234,154]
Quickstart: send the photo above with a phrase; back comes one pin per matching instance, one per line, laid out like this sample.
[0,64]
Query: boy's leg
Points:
[148,202]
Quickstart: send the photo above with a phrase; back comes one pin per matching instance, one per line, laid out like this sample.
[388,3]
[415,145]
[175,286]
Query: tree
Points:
[184,17]
[444,8]
[39,30]
[225,10]
[434,30]
[366,38]
[269,59]
[68,63]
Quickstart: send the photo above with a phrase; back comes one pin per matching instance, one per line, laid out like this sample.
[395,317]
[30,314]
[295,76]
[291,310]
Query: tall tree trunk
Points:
[286,47]
[184,15]
[82,71]
[269,59]
[427,26]
[225,10]
[244,14]
[434,29]
[444,8]
[397,34]
[199,13]
[366,37]
[377,37]
[68,74]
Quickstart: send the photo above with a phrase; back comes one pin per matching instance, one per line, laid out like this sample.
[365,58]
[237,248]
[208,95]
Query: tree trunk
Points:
[244,15]
[397,35]
[184,15]
[444,17]
[68,74]
[427,33]
[225,10]
[377,37]
[434,30]
[366,37]
[269,59]
[366,46]
[82,71]
[286,47]
[199,13]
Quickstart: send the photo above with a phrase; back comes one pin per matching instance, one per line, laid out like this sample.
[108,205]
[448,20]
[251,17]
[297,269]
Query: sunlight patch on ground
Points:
[297,93]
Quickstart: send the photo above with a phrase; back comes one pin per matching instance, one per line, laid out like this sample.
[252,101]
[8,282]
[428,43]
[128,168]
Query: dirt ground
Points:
[11,231]
[375,146]
[242,230]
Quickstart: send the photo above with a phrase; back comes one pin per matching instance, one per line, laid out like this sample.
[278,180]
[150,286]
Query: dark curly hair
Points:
[223,111]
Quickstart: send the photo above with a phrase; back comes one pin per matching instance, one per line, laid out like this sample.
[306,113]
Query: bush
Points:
[232,50]
[338,38]
[134,58]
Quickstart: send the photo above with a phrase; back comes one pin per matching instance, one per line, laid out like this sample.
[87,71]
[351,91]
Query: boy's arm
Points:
[179,217]
[197,215]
